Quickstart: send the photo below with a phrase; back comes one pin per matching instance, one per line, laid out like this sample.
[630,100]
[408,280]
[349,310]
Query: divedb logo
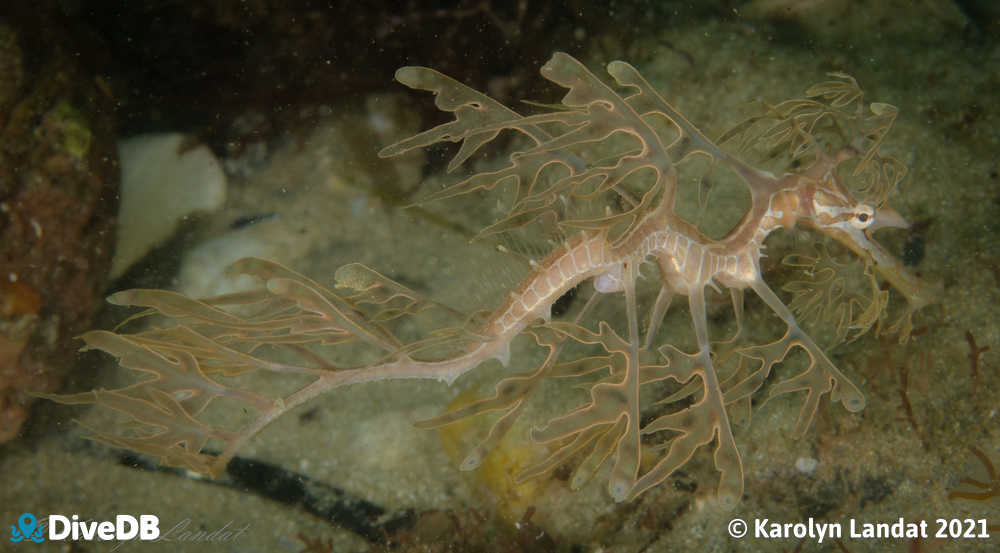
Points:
[61,528]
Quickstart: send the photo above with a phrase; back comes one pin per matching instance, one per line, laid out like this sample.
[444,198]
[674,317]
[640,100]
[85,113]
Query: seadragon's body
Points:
[640,177]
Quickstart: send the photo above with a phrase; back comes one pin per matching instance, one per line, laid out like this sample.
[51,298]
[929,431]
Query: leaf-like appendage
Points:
[235,334]
[554,170]
[828,294]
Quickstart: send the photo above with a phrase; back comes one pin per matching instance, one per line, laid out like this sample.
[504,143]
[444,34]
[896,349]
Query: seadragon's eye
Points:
[863,218]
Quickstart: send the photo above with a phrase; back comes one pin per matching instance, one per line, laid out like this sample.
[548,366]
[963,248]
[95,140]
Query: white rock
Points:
[806,465]
[161,185]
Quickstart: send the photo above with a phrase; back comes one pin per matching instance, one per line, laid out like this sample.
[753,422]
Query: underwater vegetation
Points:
[596,177]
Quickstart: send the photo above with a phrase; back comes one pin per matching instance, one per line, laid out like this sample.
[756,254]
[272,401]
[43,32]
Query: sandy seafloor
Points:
[870,467]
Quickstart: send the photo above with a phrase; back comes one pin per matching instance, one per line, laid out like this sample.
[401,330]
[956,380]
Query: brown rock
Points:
[58,199]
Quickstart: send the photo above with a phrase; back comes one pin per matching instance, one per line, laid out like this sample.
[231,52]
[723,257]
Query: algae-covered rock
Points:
[58,195]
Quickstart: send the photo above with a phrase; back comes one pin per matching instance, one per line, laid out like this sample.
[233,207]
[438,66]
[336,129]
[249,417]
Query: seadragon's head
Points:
[842,135]
[828,207]
[824,204]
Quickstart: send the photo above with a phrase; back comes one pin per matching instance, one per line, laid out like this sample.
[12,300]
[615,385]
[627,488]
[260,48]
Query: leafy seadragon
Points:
[617,152]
